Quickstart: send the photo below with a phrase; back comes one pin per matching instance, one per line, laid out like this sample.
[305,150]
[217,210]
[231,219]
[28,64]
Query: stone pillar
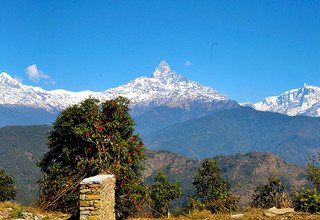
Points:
[97,198]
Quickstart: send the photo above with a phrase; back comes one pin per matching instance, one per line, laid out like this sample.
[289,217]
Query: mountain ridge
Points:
[300,101]
[163,87]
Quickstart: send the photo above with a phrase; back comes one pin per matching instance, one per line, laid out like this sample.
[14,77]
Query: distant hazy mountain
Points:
[164,88]
[241,130]
[302,101]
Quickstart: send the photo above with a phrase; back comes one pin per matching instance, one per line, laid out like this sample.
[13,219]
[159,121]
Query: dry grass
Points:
[10,210]
[250,214]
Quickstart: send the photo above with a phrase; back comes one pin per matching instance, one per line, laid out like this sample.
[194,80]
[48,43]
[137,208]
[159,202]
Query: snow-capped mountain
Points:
[302,101]
[163,88]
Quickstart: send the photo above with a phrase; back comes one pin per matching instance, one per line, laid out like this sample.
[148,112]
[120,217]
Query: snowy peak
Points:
[162,68]
[301,101]
[164,73]
[164,87]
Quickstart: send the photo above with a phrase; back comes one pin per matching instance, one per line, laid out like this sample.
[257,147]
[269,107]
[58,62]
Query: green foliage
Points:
[223,205]
[209,182]
[212,189]
[17,212]
[89,139]
[7,187]
[313,170]
[193,204]
[162,193]
[269,195]
[308,200]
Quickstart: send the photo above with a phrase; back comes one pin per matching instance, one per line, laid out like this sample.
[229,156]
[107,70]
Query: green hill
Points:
[241,130]
[20,149]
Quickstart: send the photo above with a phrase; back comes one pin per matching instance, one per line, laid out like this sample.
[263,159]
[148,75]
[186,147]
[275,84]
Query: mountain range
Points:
[302,101]
[164,88]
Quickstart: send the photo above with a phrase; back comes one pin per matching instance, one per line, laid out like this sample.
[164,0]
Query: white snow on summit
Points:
[164,87]
[302,101]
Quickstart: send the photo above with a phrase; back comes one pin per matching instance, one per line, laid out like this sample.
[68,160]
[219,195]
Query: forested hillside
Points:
[241,130]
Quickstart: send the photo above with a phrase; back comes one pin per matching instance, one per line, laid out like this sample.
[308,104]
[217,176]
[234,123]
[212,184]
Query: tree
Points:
[212,189]
[271,194]
[313,170]
[209,182]
[7,187]
[88,139]
[162,194]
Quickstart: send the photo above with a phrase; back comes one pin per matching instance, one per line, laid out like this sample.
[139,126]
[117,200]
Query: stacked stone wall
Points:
[97,198]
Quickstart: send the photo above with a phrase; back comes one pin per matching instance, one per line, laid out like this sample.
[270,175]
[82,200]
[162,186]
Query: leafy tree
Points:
[209,182]
[212,189]
[7,187]
[307,200]
[271,194]
[162,194]
[88,139]
[313,170]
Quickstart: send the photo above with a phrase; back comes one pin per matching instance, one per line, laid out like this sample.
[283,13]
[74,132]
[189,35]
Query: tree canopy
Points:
[162,194]
[209,182]
[87,139]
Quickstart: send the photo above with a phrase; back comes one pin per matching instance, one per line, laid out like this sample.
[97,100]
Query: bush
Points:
[272,194]
[7,187]
[194,204]
[224,205]
[307,200]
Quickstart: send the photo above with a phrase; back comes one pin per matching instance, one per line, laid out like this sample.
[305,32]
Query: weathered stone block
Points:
[97,198]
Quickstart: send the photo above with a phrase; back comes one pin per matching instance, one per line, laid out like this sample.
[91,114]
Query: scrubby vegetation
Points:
[270,195]
[7,187]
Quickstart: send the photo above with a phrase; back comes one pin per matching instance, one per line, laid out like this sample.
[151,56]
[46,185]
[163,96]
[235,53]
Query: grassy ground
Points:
[9,210]
[252,214]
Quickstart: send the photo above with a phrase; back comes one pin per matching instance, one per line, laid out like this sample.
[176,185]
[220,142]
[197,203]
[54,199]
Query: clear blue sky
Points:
[245,49]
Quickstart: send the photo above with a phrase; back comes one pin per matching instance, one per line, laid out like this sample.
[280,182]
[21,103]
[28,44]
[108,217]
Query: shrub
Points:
[194,204]
[272,194]
[224,205]
[307,200]
[7,187]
